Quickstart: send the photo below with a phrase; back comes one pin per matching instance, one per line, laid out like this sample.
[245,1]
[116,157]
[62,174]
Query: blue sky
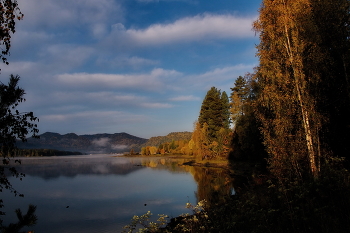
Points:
[137,66]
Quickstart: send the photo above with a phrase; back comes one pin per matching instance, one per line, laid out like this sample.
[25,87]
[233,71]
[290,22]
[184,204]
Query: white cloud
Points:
[91,115]
[198,28]
[51,60]
[220,75]
[91,121]
[137,61]
[148,81]
[20,68]
[99,30]
[111,96]
[184,98]
[67,56]
[133,62]
[148,1]
[53,13]
[30,37]
[96,100]
[156,105]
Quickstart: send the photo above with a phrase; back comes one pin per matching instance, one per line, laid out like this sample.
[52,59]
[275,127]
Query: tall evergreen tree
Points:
[211,112]
[226,118]
[211,132]
[238,96]
[247,143]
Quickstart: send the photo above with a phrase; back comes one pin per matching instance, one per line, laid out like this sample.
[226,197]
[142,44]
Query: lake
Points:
[101,193]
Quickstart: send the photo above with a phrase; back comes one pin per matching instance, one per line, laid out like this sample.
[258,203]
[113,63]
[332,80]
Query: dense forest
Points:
[173,136]
[173,143]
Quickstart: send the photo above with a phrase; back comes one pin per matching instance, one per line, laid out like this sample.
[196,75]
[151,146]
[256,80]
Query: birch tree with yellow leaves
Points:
[292,98]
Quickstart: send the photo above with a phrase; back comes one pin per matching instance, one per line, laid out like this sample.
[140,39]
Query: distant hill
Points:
[92,144]
[156,141]
[99,143]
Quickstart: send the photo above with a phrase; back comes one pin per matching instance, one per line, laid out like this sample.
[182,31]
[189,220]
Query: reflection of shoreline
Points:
[188,160]
[52,168]
[214,180]
[213,184]
[97,197]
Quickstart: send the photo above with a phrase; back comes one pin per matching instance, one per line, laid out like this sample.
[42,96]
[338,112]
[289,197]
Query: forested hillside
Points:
[96,143]
[174,136]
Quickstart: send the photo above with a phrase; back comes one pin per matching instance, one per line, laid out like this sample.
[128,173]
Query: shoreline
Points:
[224,164]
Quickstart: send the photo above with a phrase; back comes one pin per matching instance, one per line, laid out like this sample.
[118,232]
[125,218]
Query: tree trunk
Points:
[298,73]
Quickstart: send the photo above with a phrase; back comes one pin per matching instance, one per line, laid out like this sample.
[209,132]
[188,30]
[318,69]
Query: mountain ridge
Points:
[98,143]
[86,143]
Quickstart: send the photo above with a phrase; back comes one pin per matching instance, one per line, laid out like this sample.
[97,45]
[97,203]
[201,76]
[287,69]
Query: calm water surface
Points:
[100,193]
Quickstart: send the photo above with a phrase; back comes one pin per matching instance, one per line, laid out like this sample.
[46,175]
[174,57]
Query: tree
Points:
[28,219]
[225,110]
[247,140]
[286,103]
[332,22]
[209,139]
[200,140]
[9,12]
[13,124]
[211,112]
[152,150]
[238,97]
[299,63]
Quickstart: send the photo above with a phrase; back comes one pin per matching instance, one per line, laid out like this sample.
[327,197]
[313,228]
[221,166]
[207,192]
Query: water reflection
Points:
[213,184]
[104,192]
[55,167]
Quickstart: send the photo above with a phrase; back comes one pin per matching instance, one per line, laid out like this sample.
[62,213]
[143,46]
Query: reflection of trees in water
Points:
[170,164]
[48,168]
[54,168]
[214,184]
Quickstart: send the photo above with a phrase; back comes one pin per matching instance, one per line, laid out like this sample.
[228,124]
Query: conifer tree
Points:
[211,112]
[238,97]
[212,130]
[247,140]
[225,110]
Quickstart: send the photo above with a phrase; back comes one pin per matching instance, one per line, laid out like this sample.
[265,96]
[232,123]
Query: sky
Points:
[137,66]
